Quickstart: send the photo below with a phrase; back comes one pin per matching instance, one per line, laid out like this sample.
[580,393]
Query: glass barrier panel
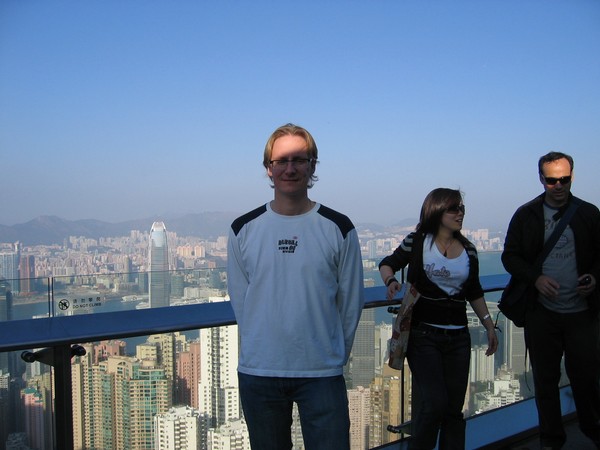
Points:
[87,294]
[25,298]
[190,377]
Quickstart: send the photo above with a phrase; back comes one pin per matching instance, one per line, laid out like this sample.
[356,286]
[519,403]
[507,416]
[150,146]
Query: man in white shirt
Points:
[296,286]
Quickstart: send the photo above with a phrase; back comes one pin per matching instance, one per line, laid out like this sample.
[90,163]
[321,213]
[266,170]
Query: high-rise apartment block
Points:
[482,366]
[390,404]
[231,436]
[218,387]
[33,408]
[383,334]
[120,397]
[9,269]
[359,406]
[180,428]
[188,375]
[27,274]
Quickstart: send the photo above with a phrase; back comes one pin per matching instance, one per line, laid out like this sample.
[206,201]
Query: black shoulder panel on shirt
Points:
[343,222]
[239,223]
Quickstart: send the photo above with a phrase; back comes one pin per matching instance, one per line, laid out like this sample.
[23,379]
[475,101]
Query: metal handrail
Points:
[59,334]
[62,330]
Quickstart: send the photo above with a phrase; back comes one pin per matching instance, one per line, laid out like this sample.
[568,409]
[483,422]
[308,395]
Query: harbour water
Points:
[75,300]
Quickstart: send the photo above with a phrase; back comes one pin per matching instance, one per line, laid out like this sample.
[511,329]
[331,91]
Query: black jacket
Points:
[451,310]
[525,241]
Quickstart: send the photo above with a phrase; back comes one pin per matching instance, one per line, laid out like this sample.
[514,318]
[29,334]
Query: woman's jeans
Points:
[322,405]
[439,364]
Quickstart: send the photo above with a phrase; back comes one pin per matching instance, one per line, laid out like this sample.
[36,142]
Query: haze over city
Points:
[124,110]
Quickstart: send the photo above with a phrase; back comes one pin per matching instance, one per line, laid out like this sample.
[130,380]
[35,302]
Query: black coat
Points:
[525,241]
[450,310]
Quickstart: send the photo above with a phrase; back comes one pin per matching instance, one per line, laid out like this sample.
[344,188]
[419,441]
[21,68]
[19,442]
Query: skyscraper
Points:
[359,406]
[188,375]
[158,258]
[33,407]
[5,314]
[482,366]
[514,348]
[180,428]
[232,435]
[27,273]
[383,333]
[9,268]
[120,397]
[387,404]
[218,388]
[165,352]
[363,353]
[128,274]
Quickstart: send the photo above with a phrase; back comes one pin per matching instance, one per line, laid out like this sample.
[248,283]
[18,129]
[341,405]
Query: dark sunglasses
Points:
[455,209]
[551,181]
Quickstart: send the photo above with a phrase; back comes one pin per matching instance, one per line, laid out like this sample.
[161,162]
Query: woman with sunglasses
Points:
[445,270]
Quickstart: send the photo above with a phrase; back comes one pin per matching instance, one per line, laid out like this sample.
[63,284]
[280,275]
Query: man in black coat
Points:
[564,319]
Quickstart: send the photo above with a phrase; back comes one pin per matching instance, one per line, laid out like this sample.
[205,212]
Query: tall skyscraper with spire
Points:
[159,285]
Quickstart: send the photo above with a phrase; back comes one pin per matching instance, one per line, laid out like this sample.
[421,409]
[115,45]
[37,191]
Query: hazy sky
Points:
[124,109]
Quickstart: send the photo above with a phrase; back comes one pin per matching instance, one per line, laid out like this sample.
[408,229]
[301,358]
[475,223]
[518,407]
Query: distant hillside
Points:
[49,230]
[403,225]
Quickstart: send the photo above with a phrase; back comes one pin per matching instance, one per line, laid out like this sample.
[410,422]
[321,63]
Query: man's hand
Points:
[547,286]
[585,287]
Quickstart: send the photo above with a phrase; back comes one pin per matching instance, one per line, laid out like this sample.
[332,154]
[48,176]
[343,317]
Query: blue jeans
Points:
[322,405]
[439,364]
[548,335]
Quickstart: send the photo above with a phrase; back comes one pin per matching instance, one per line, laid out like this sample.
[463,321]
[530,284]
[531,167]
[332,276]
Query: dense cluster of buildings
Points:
[180,390]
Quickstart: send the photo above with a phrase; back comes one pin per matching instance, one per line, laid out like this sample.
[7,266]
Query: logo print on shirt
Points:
[432,272]
[288,245]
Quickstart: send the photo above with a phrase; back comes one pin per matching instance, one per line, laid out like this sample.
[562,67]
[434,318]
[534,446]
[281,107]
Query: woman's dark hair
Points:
[434,206]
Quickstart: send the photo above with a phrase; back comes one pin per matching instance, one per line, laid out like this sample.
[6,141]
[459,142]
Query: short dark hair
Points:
[554,156]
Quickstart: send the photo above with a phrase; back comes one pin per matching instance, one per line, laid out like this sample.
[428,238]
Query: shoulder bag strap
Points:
[560,227]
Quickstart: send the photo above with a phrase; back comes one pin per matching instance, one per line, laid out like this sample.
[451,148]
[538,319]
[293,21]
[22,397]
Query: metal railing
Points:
[59,334]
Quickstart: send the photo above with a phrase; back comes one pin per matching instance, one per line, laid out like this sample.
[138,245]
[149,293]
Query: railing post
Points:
[63,400]
[59,357]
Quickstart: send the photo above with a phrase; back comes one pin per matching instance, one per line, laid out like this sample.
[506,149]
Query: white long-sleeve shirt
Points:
[296,287]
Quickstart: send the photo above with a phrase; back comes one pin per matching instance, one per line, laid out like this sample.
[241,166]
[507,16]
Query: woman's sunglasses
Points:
[455,209]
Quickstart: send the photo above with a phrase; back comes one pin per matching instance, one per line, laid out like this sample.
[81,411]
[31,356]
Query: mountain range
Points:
[48,230]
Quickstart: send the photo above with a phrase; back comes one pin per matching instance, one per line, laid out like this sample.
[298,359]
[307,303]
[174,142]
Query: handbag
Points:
[401,329]
[518,296]
[516,301]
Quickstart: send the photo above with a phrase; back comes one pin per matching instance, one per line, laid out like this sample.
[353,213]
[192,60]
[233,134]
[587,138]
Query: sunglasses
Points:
[551,181]
[455,209]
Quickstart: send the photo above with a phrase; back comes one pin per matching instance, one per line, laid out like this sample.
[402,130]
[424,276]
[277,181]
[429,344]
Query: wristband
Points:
[390,280]
[487,316]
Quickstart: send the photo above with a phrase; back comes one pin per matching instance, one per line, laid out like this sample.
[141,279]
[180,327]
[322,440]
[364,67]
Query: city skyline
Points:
[97,98]
[49,231]
[195,370]
[153,370]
